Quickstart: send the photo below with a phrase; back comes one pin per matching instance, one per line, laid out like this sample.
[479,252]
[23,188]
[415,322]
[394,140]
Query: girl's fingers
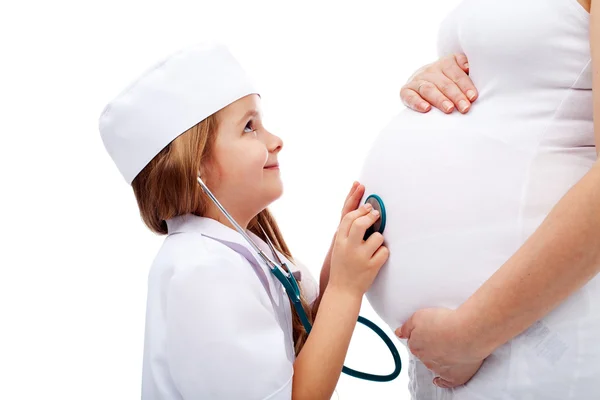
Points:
[349,218]
[361,224]
[353,200]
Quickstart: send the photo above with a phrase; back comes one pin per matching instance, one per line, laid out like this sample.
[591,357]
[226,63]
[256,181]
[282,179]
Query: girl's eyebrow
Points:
[250,113]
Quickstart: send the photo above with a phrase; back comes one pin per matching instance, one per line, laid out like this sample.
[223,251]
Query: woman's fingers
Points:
[413,100]
[451,67]
[444,84]
[455,375]
[439,382]
[429,91]
[461,60]
[451,90]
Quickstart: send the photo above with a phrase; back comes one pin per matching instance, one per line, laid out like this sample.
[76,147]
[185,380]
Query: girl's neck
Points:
[217,215]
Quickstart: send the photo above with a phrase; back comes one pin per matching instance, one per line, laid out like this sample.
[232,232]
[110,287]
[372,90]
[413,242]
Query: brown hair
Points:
[167,187]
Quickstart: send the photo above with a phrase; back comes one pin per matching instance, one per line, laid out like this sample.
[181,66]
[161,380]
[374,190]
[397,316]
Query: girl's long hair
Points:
[167,188]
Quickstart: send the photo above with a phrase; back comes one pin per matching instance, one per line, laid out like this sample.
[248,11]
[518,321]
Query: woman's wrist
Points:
[477,342]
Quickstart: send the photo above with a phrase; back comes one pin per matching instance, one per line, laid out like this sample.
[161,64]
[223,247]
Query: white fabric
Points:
[168,99]
[212,330]
[463,192]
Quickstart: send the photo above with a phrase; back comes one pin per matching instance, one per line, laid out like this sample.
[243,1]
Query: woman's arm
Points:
[560,256]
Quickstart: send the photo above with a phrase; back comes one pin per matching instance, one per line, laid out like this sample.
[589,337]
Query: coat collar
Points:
[206,226]
[214,229]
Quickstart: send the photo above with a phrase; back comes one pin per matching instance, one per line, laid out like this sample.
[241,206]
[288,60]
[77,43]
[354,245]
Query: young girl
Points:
[218,325]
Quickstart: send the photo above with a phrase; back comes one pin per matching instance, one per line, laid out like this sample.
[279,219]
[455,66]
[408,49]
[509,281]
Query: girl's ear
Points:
[203,172]
[208,172]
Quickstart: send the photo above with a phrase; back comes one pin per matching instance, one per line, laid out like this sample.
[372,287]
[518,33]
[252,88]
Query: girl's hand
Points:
[353,199]
[354,261]
[350,204]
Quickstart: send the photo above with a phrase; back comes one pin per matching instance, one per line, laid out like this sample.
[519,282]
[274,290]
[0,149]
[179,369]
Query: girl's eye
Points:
[249,127]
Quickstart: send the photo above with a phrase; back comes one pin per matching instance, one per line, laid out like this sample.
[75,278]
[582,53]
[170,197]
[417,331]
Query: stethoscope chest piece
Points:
[379,225]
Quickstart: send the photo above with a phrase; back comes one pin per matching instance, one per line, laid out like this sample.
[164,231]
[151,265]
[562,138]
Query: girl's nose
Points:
[275,143]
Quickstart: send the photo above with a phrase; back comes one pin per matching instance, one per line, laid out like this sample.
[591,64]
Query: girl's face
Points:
[243,172]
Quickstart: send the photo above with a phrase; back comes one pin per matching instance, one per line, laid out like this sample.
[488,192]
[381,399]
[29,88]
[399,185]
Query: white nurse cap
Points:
[168,99]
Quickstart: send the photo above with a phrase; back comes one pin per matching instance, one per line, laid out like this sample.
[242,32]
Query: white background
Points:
[75,254]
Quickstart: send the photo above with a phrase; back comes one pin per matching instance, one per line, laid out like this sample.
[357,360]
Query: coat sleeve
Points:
[223,342]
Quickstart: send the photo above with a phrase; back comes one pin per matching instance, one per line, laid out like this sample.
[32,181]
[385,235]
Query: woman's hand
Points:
[445,84]
[436,337]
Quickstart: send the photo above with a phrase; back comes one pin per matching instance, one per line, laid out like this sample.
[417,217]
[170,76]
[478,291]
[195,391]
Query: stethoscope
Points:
[287,279]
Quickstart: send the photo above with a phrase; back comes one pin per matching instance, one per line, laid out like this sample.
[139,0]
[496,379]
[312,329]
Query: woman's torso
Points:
[463,192]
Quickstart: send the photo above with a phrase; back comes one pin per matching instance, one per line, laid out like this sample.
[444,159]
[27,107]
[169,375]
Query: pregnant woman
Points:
[494,212]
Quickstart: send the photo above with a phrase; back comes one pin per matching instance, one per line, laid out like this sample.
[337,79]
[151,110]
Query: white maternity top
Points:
[463,192]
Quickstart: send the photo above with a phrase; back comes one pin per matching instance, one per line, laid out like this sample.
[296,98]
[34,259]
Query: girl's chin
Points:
[274,191]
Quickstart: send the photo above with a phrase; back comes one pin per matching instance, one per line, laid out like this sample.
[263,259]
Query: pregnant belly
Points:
[452,199]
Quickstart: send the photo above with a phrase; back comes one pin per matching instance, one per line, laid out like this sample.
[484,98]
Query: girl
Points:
[218,324]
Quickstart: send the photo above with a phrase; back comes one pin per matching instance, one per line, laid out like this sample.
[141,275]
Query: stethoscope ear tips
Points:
[379,225]
[201,182]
